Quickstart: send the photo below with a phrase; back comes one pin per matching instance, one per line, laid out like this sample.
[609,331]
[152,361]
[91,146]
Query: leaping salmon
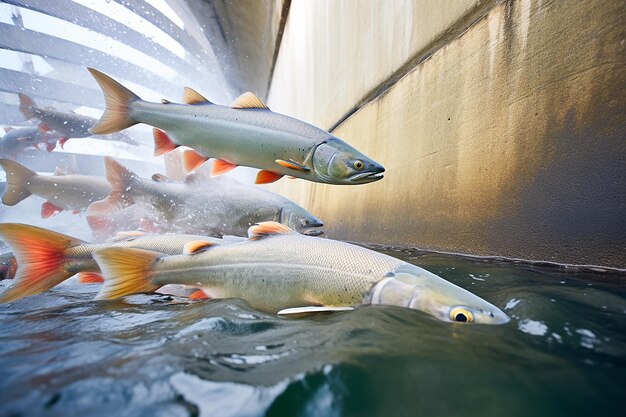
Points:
[247,133]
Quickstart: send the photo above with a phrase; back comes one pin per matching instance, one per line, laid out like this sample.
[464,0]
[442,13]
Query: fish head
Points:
[299,219]
[414,287]
[336,162]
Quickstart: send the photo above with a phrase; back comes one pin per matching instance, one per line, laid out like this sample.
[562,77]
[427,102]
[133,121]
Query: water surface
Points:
[563,353]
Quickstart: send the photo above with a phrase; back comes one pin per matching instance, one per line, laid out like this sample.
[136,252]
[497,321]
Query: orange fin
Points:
[196,246]
[41,256]
[292,165]
[191,96]
[48,210]
[162,142]
[126,271]
[266,177]
[198,295]
[118,100]
[100,223]
[63,141]
[262,229]
[90,278]
[192,159]
[221,167]
[248,101]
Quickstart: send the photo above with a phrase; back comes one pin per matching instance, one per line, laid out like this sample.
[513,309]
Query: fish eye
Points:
[358,164]
[461,314]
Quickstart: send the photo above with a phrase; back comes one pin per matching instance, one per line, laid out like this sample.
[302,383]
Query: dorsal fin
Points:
[262,229]
[196,246]
[191,96]
[248,101]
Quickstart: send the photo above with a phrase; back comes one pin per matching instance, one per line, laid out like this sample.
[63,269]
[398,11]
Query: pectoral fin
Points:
[292,165]
[312,309]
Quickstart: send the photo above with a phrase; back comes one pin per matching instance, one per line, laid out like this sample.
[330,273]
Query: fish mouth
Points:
[363,177]
[312,232]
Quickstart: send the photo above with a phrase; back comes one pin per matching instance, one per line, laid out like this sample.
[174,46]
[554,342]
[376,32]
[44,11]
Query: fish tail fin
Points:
[121,180]
[126,271]
[118,100]
[26,106]
[18,177]
[41,259]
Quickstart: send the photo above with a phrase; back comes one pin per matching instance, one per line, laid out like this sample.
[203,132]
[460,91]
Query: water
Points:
[563,353]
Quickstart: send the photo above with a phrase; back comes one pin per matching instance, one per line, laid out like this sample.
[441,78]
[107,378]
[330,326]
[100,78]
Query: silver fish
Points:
[17,140]
[217,206]
[62,192]
[247,133]
[278,270]
[46,258]
[65,124]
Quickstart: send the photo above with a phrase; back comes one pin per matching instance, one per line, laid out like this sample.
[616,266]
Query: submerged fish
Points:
[247,133]
[218,206]
[278,270]
[62,192]
[16,140]
[46,258]
[66,124]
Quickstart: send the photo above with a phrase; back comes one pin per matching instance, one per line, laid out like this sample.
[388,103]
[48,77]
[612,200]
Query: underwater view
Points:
[312,208]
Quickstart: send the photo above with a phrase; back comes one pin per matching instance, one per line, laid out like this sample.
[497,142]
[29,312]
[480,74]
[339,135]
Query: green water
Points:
[563,353]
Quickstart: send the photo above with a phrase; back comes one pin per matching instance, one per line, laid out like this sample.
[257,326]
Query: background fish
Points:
[46,258]
[215,206]
[17,140]
[247,133]
[66,124]
[278,270]
[62,192]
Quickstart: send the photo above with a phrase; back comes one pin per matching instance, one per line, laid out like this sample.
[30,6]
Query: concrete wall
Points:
[508,140]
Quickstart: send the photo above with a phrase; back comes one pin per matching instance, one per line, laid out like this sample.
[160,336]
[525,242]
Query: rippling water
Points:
[563,354]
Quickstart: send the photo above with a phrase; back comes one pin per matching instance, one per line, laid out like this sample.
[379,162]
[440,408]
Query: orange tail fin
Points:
[118,100]
[126,271]
[41,259]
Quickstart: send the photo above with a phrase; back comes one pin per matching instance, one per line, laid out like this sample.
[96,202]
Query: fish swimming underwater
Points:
[66,125]
[46,258]
[279,270]
[62,192]
[247,133]
[215,206]
[16,140]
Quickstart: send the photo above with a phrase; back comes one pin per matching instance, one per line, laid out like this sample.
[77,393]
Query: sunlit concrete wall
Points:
[501,124]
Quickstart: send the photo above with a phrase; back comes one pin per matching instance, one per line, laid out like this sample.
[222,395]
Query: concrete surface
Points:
[507,141]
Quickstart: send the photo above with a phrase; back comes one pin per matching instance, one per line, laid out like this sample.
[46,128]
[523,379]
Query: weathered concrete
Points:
[243,35]
[335,54]
[508,141]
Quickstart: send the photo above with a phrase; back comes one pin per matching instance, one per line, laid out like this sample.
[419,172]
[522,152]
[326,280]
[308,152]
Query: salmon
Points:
[280,271]
[62,192]
[214,206]
[246,133]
